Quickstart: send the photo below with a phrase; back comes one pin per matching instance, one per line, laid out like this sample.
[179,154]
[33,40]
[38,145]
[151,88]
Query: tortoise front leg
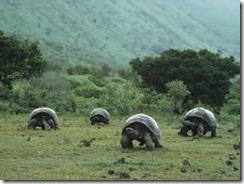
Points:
[51,123]
[148,141]
[46,125]
[126,143]
[200,131]
[158,144]
[213,134]
[183,131]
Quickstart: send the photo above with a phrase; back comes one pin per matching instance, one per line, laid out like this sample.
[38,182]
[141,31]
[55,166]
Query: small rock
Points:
[120,161]
[166,169]
[233,157]
[236,146]
[230,130]
[28,139]
[235,169]
[110,172]
[223,172]
[86,143]
[124,175]
[229,162]
[186,162]
[237,153]
[183,169]
[196,170]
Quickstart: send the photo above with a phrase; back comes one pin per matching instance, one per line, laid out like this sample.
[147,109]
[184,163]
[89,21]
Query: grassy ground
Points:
[59,155]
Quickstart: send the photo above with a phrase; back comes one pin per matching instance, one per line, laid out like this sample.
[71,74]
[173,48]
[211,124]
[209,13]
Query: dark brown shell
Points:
[146,120]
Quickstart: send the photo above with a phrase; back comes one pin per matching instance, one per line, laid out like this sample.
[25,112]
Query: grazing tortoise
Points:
[43,117]
[142,128]
[99,115]
[200,121]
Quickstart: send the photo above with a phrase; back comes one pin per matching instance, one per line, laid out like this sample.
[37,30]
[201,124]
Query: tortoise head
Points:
[132,133]
[189,124]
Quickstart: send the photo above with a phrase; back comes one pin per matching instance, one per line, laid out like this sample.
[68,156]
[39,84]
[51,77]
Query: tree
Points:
[205,74]
[177,92]
[19,59]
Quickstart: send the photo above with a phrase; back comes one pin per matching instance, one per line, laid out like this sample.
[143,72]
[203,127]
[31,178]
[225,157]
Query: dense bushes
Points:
[205,74]
[80,94]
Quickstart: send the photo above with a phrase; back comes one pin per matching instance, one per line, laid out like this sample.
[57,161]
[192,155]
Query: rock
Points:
[86,143]
[196,170]
[223,172]
[120,161]
[124,175]
[235,169]
[28,139]
[111,172]
[233,157]
[236,146]
[229,162]
[183,169]
[186,162]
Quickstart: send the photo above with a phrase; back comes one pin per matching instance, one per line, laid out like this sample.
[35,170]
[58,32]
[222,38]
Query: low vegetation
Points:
[59,154]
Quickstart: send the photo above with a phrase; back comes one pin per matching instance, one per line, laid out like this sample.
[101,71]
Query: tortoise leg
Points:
[194,132]
[200,131]
[46,125]
[148,141]
[158,144]
[104,120]
[125,142]
[183,131]
[213,134]
[32,123]
[51,123]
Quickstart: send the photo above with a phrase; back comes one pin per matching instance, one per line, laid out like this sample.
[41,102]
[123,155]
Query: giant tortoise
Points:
[99,115]
[200,121]
[43,117]
[142,128]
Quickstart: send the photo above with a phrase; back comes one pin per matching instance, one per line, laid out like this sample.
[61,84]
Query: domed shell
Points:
[146,120]
[100,111]
[47,110]
[205,114]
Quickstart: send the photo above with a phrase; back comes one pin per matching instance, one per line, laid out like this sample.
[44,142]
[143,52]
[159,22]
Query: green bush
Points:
[4,106]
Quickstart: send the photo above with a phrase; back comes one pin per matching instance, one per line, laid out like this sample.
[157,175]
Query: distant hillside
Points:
[115,31]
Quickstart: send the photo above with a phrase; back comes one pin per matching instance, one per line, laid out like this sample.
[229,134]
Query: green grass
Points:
[59,155]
